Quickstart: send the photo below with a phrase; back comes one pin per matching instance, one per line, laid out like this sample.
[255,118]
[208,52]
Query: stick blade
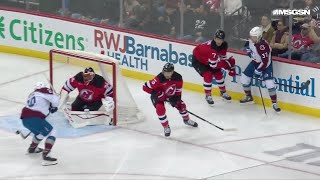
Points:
[305,85]
[230,129]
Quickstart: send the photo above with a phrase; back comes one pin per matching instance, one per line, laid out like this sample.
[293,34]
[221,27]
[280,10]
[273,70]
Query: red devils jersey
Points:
[97,88]
[301,42]
[170,87]
[210,54]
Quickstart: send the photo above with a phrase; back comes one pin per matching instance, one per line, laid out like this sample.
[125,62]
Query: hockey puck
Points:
[17,132]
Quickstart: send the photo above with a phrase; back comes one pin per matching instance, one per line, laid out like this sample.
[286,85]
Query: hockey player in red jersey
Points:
[167,87]
[209,59]
[92,89]
[259,67]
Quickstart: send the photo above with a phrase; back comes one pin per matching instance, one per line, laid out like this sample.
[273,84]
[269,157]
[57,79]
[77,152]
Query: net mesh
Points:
[66,64]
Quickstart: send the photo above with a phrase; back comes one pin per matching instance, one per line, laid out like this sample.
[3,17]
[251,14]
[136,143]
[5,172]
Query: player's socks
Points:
[33,148]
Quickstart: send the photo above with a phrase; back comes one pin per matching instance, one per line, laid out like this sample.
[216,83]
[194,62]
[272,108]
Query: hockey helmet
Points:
[220,34]
[40,85]
[168,67]
[256,32]
[88,74]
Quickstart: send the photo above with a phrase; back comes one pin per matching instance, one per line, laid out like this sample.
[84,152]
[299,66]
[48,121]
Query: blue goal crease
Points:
[63,129]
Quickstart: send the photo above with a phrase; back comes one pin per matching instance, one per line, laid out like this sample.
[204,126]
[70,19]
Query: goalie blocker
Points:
[94,104]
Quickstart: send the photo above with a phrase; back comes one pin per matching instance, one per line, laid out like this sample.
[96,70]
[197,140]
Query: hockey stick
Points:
[222,129]
[303,86]
[22,135]
[55,92]
[264,107]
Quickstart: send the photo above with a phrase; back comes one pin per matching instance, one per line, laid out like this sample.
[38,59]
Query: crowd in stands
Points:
[197,20]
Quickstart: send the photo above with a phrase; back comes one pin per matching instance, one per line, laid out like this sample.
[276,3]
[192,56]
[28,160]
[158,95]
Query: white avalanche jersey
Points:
[39,102]
[261,54]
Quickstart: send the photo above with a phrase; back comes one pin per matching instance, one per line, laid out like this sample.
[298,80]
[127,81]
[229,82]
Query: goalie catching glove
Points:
[108,103]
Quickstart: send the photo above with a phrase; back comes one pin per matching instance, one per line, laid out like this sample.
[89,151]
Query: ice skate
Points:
[247,100]
[225,96]
[167,131]
[47,160]
[209,99]
[276,107]
[34,150]
[190,123]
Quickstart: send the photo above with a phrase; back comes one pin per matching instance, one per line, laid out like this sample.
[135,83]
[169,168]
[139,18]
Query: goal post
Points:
[64,64]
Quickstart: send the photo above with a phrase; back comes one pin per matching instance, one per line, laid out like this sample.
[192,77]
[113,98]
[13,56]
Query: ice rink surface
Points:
[285,146]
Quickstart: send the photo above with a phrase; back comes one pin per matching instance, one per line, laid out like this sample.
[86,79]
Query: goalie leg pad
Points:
[108,104]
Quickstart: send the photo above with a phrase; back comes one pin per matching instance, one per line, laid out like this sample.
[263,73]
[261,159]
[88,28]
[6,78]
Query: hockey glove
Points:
[231,66]
[232,72]
[174,100]
[53,109]
[249,52]
[157,96]
[257,74]
[108,103]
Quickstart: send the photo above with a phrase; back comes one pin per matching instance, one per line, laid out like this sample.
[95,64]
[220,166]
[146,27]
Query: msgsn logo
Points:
[288,12]
[130,47]
[37,34]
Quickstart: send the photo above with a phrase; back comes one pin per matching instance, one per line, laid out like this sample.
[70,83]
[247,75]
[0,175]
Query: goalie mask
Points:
[88,74]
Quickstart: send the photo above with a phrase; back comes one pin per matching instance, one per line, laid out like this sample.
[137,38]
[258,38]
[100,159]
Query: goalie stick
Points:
[222,129]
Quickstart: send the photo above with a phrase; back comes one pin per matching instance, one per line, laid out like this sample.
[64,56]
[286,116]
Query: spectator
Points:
[129,6]
[279,41]
[314,54]
[213,5]
[266,28]
[301,43]
[201,24]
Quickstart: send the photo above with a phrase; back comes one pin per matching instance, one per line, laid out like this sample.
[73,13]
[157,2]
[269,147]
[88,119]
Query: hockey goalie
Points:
[93,105]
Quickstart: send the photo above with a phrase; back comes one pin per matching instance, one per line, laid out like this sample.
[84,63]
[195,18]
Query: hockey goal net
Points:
[64,64]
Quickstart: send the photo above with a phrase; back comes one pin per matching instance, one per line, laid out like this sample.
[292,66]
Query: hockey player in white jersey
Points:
[260,67]
[41,102]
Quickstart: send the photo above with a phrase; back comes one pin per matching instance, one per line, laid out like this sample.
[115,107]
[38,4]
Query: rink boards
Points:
[142,56]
